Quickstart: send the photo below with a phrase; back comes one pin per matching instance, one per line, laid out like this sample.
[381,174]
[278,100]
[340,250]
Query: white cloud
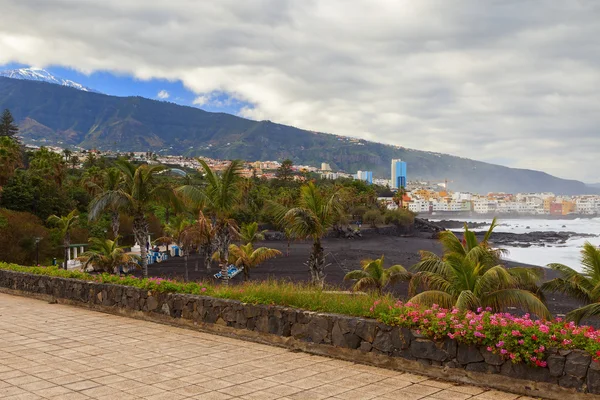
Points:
[163,94]
[515,81]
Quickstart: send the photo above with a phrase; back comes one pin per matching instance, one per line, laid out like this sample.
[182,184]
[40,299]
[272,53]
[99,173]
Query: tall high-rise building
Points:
[398,173]
[325,167]
[366,176]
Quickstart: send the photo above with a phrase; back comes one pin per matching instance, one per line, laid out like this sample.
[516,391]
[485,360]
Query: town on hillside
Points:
[420,197]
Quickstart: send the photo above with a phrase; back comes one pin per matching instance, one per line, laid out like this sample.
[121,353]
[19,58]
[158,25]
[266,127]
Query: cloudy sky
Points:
[513,82]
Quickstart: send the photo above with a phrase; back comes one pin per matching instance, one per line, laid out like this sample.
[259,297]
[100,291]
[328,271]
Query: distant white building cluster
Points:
[423,200]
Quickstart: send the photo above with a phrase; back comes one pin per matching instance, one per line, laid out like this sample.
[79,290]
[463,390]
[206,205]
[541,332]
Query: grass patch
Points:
[272,292]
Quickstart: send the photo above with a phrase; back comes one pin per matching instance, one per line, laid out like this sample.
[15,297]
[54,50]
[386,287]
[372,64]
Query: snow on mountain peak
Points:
[41,75]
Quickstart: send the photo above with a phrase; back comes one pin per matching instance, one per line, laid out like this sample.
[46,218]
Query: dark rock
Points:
[366,330]
[424,348]
[299,331]
[383,342]
[151,303]
[593,380]
[556,364]
[491,358]
[365,346]
[468,354]
[318,329]
[571,382]
[577,364]
[262,324]
[524,371]
[477,366]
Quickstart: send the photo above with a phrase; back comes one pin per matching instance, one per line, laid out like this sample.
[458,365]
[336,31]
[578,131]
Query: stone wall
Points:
[569,373]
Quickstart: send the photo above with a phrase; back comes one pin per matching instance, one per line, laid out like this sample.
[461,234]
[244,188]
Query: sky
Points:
[513,82]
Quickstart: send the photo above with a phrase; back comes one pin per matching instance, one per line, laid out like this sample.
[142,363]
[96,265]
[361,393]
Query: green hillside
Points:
[67,116]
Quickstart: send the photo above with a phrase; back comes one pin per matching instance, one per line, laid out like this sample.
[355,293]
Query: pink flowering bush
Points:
[519,339]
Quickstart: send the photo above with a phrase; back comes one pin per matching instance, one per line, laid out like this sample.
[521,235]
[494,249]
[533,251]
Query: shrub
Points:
[373,218]
[400,217]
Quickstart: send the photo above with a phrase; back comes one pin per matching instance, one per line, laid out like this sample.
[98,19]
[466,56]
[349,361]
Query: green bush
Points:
[400,217]
[373,218]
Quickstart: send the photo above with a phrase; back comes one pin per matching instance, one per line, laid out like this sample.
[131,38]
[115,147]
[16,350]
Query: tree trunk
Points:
[115,224]
[140,231]
[316,264]
[223,242]
[206,254]
[67,243]
[167,215]
[187,276]
[246,272]
[287,251]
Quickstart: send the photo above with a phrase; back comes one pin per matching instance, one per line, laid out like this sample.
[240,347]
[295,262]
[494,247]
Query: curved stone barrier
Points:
[569,374]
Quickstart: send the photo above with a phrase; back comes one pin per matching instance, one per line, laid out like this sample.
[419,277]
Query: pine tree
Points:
[7,125]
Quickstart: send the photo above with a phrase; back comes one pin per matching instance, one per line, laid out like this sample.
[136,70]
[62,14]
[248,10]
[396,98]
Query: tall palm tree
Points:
[108,180]
[374,276]
[314,214]
[107,256]
[398,197]
[247,257]
[201,235]
[469,276]
[584,286]
[65,224]
[249,233]
[138,191]
[221,195]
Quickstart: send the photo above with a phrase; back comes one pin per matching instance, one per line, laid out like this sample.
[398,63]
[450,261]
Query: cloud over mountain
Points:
[513,82]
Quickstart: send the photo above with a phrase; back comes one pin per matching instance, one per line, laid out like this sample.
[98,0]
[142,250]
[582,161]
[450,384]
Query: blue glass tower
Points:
[398,174]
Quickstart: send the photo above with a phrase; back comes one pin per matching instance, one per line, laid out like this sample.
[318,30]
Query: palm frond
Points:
[467,300]
[590,261]
[568,287]
[502,299]
[431,297]
[429,281]
[591,310]
[355,275]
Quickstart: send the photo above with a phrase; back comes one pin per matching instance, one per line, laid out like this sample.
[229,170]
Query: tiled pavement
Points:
[54,351]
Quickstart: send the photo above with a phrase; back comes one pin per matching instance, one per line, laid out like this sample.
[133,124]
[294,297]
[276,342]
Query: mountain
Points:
[41,75]
[68,117]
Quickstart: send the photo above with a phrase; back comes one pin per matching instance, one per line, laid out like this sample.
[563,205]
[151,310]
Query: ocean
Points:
[564,253]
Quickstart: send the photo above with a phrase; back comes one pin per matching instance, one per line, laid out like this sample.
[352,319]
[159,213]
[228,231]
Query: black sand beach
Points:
[343,255]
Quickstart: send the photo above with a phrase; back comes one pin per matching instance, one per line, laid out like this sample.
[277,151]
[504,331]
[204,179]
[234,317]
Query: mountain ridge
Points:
[41,75]
[92,120]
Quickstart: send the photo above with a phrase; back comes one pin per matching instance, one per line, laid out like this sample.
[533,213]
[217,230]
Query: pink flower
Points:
[567,342]
[503,351]
[479,334]
[441,315]
[516,333]
[451,336]
[500,344]
[204,289]
[521,342]
[489,348]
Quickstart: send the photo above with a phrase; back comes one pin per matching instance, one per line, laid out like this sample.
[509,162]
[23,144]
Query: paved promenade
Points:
[52,351]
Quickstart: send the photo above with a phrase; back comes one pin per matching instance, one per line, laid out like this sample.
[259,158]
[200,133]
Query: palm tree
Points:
[110,180]
[249,233]
[247,257]
[469,276]
[107,256]
[201,234]
[221,196]
[399,197]
[584,286]
[289,237]
[174,232]
[134,196]
[314,214]
[374,276]
[65,224]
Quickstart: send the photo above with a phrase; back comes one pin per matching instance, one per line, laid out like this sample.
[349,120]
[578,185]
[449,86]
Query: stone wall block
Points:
[318,329]
[491,358]
[427,349]
[556,365]
[468,354]
[577,363]
[365,329]
[593,379]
